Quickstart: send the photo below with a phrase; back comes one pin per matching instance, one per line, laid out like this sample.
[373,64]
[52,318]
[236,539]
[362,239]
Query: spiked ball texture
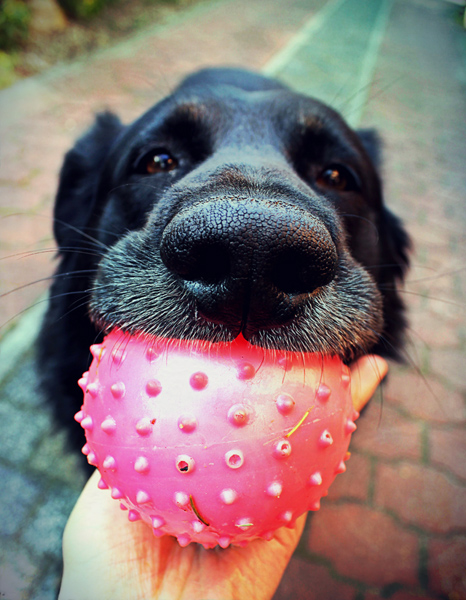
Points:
[214,443]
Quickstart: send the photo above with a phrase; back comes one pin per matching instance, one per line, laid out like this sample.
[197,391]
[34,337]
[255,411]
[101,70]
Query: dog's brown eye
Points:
[338,178]
[156,161]
[160,162]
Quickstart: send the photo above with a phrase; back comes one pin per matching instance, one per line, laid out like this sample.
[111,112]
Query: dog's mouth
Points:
[135,292]
[268,270]
[316,327]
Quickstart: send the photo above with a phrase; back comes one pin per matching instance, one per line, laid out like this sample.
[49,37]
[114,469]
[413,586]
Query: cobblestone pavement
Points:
[394,525]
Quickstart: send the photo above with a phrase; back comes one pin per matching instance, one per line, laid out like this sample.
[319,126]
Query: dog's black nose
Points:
[249,264]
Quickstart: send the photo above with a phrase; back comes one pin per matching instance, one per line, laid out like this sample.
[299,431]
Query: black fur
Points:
[292,258]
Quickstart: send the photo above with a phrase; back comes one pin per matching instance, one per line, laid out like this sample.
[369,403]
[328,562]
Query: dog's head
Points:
[232,206]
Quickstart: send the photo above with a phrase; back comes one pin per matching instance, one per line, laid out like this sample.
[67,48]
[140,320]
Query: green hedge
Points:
[82,9]
[14,23]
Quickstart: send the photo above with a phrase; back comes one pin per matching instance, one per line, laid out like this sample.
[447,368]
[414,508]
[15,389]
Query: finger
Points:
[366,375]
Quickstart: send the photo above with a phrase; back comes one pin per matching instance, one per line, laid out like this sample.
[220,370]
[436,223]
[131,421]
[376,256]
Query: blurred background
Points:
[394,525]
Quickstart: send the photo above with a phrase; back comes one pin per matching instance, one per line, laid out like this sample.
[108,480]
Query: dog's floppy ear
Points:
[396,241]
[78,179]
[372,145]
[396,246]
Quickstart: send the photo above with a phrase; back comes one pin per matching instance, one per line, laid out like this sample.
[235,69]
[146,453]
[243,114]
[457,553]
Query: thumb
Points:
[366,375]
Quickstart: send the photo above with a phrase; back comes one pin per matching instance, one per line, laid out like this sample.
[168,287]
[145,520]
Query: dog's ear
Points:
[373,145]
[78,179]
[396,247]
[397,244]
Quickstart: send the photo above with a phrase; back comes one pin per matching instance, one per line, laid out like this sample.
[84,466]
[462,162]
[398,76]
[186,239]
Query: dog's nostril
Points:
[286,273]
[208,264]
[197,260]
[296,272]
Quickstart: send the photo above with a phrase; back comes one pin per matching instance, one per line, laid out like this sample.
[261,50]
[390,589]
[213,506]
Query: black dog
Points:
[234,205]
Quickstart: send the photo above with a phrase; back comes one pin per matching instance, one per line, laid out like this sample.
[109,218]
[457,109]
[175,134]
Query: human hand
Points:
[106,557]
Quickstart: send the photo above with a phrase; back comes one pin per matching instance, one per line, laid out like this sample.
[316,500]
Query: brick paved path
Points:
[394,525]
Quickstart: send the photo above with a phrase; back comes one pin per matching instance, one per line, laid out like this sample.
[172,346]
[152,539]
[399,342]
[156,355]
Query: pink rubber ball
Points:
[214,443]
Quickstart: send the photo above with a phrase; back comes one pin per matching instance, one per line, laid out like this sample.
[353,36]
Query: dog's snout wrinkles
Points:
[247,262]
